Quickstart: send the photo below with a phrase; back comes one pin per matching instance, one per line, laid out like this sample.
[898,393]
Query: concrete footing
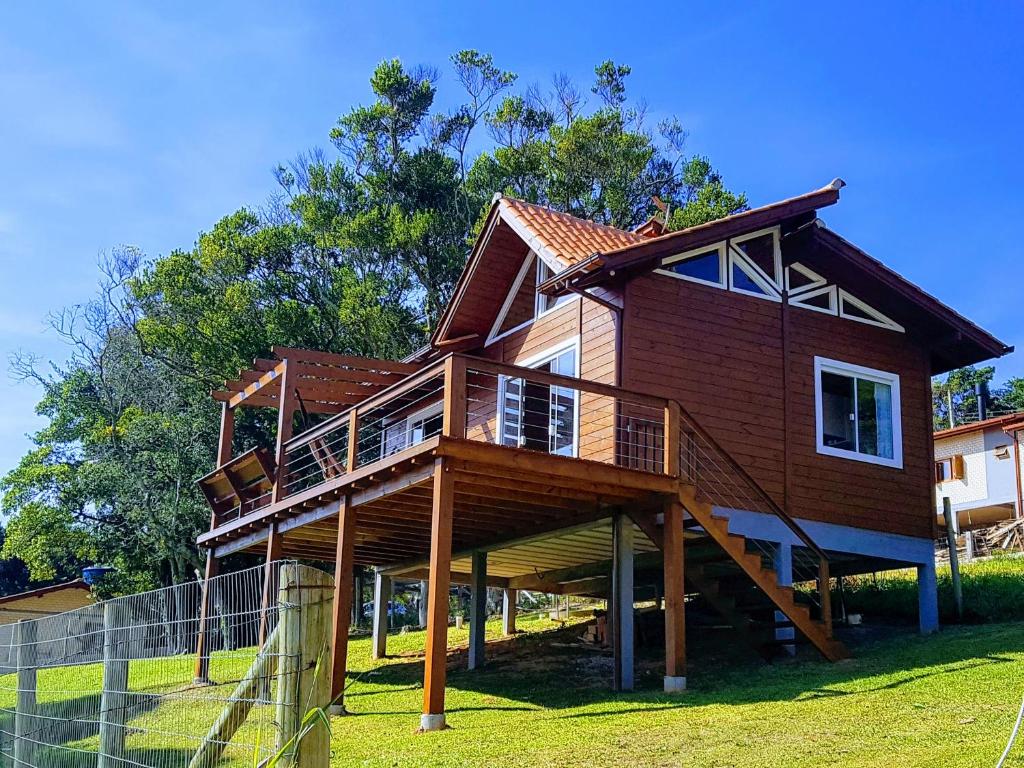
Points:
[337,710]
[675,684]
[432,723]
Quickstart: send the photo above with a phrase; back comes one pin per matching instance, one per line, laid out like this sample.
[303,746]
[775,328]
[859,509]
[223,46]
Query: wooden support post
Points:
[113,700]
[954,563]
[202,668]
[201,674]
[454,419]
[303,680]
[25,707]
[673,418]
[675,600]
[287,405]
[424,596]
[344,555]
[269,572]
[478,610]
[622,601]
[358,595]
[437,609]
[508,611]
[381,609]
[352,460]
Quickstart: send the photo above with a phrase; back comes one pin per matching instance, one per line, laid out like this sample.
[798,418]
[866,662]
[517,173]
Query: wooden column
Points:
[454,419]
[381,599]
[302,640]
[508,611]
[202,668]
[287,405]
[201,674]
[437,605]
[622,601]
[274,545]
[478,610]
[344,555]
[675,600]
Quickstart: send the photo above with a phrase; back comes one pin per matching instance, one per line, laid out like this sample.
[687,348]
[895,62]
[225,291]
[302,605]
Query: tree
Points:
[357,252]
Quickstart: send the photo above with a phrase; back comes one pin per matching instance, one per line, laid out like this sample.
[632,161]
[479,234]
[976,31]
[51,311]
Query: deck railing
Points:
[486,401]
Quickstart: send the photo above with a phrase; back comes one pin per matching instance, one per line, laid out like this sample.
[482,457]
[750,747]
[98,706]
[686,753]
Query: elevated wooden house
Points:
[722,412]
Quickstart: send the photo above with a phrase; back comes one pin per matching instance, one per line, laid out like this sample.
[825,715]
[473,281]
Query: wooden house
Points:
[721,412]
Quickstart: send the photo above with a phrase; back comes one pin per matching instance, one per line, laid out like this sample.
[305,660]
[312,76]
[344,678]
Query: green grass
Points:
[541,700]
[993,590]
[903,700]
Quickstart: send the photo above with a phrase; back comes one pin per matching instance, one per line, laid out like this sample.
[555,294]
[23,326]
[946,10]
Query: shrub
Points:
[993,590]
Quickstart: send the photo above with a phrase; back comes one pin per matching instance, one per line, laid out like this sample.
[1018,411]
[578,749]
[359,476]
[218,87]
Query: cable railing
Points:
[535,409]
[723,482]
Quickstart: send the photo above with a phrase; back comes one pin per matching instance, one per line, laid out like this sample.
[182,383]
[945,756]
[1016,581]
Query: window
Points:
[949,469]
[539,416]
[546,303]
[858,413]
[404,433]
[705,266]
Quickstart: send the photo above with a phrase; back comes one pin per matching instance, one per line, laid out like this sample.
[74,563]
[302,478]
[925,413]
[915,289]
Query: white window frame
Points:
[524,270]
[774,280]
[722,265]
[532,362]
[825,365]
[421,415]
[538,297]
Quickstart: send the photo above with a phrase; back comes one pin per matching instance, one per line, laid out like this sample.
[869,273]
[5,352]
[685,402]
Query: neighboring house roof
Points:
[979,426]
[44,601]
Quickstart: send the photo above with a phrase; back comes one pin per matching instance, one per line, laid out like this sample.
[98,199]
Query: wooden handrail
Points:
[777,510]
[479,364]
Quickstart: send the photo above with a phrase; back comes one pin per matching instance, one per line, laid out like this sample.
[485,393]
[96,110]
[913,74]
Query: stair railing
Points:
[722,481]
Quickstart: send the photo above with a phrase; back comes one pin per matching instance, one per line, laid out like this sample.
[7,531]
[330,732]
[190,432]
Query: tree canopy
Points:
[356,250]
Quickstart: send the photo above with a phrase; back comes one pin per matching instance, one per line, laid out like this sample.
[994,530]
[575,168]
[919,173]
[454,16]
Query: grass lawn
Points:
[542,700]
[950,699]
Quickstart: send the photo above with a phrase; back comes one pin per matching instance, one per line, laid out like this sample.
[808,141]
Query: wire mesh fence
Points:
[151,680]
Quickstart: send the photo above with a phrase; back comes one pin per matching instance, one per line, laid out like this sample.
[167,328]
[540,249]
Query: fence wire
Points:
[119,683]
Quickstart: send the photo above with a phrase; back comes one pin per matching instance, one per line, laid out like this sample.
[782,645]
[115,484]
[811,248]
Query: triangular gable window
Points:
[852,308]
[744,277]
[817,299]
[761,249]
[705,266]
[800,279]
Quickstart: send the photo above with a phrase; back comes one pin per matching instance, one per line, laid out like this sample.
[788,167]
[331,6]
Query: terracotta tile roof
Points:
[1005,421]
[564,237]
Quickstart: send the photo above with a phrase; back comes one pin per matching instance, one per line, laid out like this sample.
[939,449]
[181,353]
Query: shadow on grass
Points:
[59,723]
[722,671]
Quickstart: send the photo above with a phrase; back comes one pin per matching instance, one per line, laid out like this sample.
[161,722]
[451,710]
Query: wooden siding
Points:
[721,355]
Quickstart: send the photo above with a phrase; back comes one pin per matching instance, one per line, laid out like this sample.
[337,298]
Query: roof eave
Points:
[643,254]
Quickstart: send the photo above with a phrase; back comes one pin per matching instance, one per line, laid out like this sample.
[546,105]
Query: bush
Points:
[993,591]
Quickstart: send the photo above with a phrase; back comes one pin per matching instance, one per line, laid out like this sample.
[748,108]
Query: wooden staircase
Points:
[729,603]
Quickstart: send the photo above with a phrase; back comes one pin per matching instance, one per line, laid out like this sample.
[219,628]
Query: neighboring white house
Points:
[978,466]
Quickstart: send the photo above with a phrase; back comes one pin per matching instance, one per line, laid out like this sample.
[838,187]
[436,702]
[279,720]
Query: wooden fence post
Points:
[115,684]
[954,563]
[25,712]
[304,670]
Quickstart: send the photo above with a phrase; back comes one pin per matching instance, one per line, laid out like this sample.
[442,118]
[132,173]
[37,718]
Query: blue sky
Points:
[142,124]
